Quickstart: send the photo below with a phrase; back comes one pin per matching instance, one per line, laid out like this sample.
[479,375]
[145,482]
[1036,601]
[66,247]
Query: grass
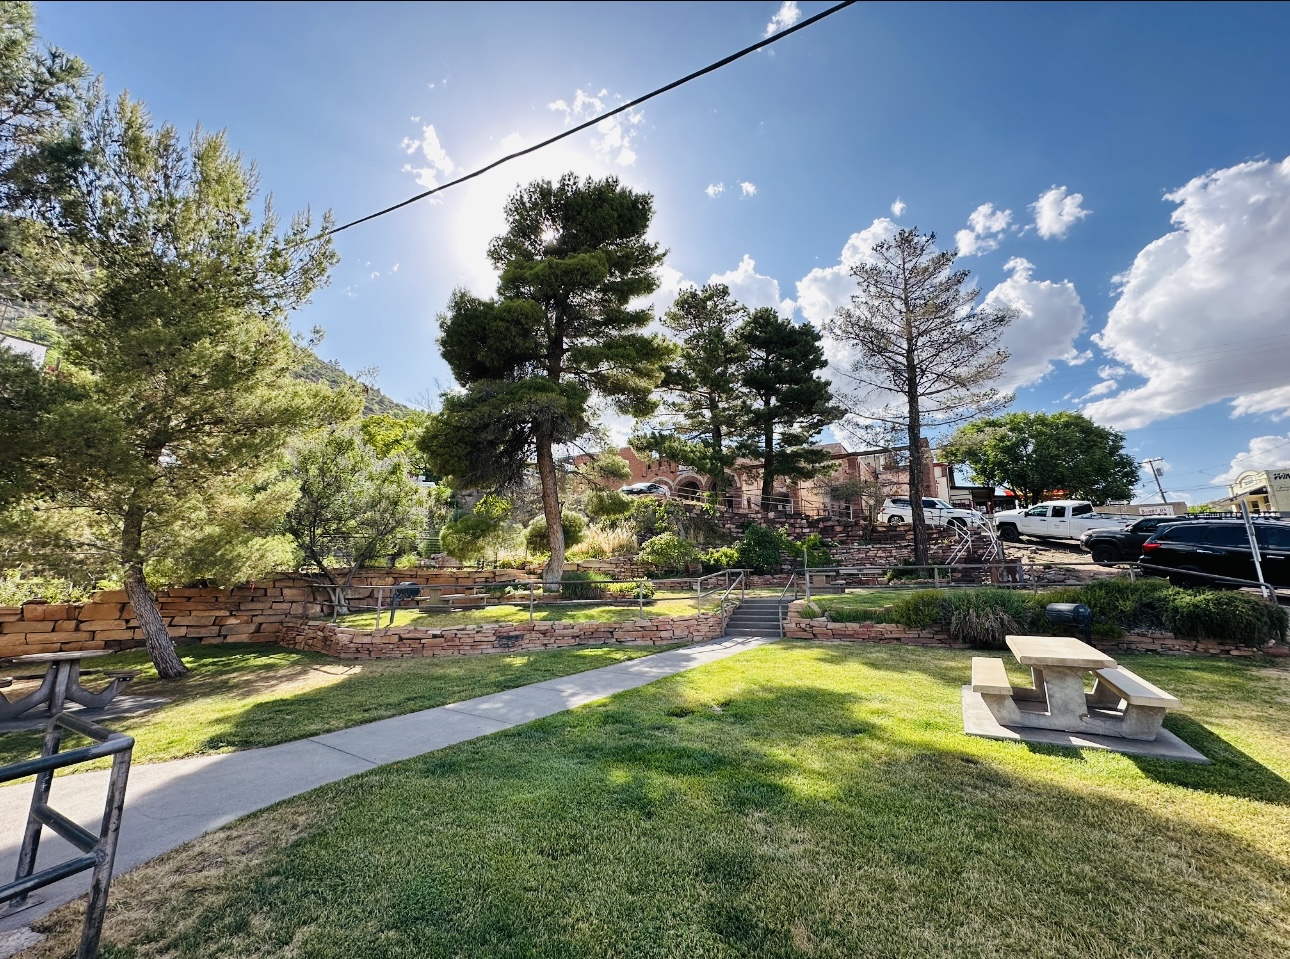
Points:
[239,696]
[796,800]
[861,599]
[505,613]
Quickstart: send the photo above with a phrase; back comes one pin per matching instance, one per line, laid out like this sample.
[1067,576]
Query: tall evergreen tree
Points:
[172,293]
[926,353]
[697,426]
[559,340]
[785,404]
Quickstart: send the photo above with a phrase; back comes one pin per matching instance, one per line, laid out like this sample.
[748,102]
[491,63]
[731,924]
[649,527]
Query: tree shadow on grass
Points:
[1231,772]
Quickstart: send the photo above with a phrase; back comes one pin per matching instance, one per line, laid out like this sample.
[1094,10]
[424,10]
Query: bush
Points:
[607,504]
[583,584]
[535,538]
[643,589]
[919,609]
[761,550]
[16,588]
[668,553]
[1226,617]
[719,558]
[982,618]
[814,548]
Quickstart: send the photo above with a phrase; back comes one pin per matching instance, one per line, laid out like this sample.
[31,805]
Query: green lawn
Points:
[542,613]
[239,695]
[796,800]
[860,599]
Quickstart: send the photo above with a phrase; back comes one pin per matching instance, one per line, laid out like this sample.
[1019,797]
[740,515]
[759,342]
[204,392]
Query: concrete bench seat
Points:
[990,677]
[1135,690]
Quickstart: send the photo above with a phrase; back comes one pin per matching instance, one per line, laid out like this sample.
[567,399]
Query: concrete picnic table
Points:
[62,684]
[1122,704]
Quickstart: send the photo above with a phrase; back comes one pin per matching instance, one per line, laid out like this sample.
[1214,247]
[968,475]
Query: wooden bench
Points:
[1133,689]
[464,599]
[990,677]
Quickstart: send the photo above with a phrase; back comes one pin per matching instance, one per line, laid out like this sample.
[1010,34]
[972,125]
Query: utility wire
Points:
[775,38]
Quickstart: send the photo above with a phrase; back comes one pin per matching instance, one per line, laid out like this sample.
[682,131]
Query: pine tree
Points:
[785,403]
[559,340]
[697,425]
[926,353]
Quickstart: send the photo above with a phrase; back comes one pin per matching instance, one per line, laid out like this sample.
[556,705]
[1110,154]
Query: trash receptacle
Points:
[1072,614]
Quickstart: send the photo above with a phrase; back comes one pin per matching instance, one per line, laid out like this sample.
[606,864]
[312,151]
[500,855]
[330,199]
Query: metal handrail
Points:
[739,581]
[792,581]
[97,852]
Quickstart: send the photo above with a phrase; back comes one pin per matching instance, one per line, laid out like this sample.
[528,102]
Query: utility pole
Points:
[1156,475]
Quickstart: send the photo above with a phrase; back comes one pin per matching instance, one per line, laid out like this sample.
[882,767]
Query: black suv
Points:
[1190,553]
[1124,544]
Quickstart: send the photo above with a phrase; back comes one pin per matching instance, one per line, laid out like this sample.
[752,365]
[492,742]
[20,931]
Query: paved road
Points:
[167,804]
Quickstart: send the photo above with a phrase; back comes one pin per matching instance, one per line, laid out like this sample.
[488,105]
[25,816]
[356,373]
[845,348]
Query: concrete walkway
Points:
[167,804]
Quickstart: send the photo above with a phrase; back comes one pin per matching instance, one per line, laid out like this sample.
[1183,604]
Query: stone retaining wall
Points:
[245,614]
[407,642]
[823,631]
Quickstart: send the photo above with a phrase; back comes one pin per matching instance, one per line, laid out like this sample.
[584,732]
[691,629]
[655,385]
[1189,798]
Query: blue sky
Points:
[1119,172]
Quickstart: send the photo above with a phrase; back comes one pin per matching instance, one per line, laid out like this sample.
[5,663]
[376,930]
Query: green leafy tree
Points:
[926,353]
[536,536]
[470,534]
[559,340]
[172,293]
[785,402]
[353,505]
[1038,454]
[388,436]
[29,401]
[698,424]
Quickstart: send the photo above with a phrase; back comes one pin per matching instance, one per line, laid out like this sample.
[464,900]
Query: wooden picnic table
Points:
[61,684]
[1121,704]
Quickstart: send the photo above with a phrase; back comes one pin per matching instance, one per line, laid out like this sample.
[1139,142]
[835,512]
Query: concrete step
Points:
[772,631]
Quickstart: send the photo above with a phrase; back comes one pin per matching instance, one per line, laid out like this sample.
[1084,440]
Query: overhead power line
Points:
[775,38]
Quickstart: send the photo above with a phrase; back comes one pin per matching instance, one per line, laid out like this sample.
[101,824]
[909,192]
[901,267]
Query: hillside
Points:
[317,370]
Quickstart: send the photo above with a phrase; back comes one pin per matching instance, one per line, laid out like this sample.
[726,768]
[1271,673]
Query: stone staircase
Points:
[757,616]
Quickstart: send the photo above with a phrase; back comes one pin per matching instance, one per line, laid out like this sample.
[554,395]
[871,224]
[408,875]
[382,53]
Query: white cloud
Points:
[616,136]
[512,142]
[824,289]
[1263,453]
[373,275]
[1056,211]
[984,226]
[394,268]
[785,17]
[1202,311]
[438,163]
[715,189]
[1050,317]
[749,189]
[898,208]
[1101,388]
[752,288]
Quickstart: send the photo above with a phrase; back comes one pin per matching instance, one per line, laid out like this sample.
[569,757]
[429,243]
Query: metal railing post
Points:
[530,602]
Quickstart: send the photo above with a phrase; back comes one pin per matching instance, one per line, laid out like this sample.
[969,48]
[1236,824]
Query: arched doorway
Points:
[689,488]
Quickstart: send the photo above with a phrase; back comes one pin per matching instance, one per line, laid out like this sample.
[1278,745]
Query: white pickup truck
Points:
[1059,519]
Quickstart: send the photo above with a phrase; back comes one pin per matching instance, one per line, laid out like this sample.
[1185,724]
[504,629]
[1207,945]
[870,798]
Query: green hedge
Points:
[583,584]
[983,616]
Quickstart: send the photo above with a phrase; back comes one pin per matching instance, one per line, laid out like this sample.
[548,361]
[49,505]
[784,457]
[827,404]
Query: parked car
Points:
[645,489]
[1189,553]
[1124,544]
[897,509]
[1057,519]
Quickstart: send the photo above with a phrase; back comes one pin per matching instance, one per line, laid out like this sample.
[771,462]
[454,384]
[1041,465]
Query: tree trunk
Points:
[554,569]
[917,521]
[767,464]
[160,646]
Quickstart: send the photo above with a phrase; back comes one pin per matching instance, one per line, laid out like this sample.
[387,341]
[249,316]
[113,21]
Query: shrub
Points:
[918,609]
[1225,617]
[583,584]
[983,617]
[643,589]
[667,553]
[719,558]
[16,588]
[607,504]
[535,538]
[761,549]
[602,542]
[814,548]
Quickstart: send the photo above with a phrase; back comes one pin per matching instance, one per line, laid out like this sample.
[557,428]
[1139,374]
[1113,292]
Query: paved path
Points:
[167,804]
